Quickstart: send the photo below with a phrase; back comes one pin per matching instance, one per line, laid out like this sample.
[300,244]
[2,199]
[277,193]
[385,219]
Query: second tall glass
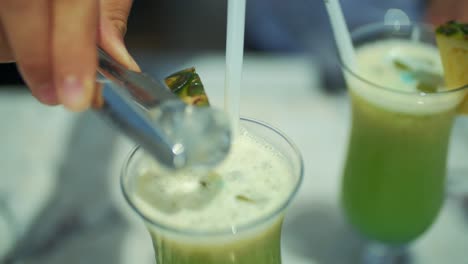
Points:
[393,184]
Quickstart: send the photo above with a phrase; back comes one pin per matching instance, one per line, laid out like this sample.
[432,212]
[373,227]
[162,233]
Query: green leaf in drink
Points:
[400,65]
[429,78]
[426,87]
[210,179]
[427,81]
[243,198]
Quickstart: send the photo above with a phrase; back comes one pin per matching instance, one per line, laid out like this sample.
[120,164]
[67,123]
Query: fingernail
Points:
[74,94]
[134,64]
[129,61]
[47,95]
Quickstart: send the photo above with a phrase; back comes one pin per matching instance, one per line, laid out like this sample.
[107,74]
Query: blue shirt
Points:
[303,25]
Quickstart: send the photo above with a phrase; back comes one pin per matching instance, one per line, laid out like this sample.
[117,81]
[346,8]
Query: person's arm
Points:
[441,11]
[54,44]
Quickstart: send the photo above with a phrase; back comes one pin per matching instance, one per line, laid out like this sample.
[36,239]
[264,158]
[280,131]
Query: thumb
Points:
[441,11]
[112,29]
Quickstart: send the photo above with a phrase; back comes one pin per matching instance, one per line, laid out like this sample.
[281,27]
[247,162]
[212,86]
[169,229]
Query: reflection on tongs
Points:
[176,134]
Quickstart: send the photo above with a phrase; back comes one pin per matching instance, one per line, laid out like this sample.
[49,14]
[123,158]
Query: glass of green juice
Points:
[229,214]
[402,116]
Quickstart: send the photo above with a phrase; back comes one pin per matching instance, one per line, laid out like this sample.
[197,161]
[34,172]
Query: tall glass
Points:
[393,184]
[254,242]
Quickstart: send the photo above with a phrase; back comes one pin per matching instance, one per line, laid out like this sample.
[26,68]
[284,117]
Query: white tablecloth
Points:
[47,148]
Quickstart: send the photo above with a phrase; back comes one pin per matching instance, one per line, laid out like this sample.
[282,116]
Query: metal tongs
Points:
[145,110]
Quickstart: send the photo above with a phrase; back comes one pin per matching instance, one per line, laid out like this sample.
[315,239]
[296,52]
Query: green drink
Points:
[262,246]
[231,214]
[393,183]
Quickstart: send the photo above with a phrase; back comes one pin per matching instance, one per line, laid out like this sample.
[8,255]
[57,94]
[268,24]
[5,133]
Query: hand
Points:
[442,11]
[54,44]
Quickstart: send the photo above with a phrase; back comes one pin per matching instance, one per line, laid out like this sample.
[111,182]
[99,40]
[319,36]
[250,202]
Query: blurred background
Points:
[60,198]
[179,29]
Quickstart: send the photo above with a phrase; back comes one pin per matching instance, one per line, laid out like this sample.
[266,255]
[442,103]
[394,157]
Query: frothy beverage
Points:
[393,184]
[231,214]
[403,70]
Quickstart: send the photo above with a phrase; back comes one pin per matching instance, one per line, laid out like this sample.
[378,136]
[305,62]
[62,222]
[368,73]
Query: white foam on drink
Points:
[400,94]
[253,182]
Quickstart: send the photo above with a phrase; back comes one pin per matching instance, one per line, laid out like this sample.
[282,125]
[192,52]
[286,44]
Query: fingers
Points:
[113,26]
[5,51]
[442,11]
[26,26]
[463,12]
[74,51]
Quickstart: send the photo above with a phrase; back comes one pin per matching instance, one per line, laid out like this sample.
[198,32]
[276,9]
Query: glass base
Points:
[377,253]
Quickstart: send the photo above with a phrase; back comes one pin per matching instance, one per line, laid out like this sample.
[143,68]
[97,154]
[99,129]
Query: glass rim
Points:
[227,231]
[378,25]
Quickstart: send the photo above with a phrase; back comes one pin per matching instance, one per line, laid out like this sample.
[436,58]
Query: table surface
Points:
[61,174]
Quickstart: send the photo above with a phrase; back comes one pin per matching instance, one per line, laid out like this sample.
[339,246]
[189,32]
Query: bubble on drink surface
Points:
[396,18]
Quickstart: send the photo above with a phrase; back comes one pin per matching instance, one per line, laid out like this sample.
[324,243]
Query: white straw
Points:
[342,36]
[234,59]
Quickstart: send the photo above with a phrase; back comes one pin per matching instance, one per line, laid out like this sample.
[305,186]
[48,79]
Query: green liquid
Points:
[261,248]
[393,184]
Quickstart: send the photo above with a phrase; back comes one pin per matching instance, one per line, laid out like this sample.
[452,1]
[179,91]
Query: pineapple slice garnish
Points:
[188,86]
[452,41]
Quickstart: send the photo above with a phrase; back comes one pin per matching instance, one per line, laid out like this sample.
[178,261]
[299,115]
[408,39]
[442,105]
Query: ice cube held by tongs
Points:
[174,133]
